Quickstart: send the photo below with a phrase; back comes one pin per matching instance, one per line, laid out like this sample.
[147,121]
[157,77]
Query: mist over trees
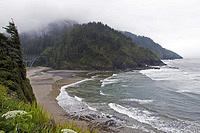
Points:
[87,46]
[34,42]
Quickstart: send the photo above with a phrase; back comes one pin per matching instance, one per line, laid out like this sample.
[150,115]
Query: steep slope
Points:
[94,46]
[12,69]
[146,42]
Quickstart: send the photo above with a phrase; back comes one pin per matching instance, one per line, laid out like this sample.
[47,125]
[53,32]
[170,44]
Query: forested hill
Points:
[146,42]
[87,46]
[12,68]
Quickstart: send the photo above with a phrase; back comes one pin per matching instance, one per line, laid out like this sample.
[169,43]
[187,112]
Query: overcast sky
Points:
[175,24]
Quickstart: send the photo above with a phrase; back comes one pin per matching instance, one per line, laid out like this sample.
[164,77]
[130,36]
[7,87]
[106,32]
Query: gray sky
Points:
[175,24]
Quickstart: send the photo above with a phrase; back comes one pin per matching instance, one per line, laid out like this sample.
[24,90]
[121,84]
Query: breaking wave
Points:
[72,104]
[138,101]
[162,124]
[109,80]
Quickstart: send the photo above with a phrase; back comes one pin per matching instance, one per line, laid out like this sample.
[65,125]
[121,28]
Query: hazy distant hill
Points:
[146,42]
[87,46]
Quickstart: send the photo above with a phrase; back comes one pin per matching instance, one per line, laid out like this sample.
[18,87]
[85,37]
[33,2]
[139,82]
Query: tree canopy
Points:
[89,46]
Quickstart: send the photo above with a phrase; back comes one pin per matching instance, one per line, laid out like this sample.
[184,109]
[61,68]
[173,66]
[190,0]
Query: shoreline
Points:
[46,87]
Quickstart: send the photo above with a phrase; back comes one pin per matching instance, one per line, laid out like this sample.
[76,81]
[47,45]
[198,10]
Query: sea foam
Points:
[138,100]
[103,94]
[135,113]
[164,73]
[187,80]
[78,98]
[168,126]
[110,80]
[72,104]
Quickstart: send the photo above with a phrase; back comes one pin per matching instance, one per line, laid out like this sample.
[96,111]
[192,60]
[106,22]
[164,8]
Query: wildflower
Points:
[14,113]
[68,131]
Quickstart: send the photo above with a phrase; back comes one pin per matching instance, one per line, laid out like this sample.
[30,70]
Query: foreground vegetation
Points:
[32,118]
[19,113]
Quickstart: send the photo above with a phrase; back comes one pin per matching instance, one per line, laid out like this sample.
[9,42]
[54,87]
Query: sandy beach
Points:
[46,84]
[46,89]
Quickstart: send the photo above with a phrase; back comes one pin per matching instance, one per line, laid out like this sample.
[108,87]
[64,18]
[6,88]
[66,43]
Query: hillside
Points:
[146,42]
[88,46]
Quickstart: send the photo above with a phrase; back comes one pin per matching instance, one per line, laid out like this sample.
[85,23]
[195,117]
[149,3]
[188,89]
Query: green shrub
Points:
[33,120]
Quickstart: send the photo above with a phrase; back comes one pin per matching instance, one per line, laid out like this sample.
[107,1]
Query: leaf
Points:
[25,126]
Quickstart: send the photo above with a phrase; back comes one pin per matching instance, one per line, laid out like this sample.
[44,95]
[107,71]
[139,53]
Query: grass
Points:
[34,121]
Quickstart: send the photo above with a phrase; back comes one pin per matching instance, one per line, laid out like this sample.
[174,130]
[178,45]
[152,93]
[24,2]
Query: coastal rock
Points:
[110,123]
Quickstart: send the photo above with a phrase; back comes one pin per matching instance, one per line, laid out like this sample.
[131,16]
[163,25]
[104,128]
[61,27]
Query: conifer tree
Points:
[12,68]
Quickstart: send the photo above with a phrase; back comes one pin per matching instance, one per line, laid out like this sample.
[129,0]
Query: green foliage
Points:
[148,43]
[35,120]
[16,92]
[12,68]
[91,46]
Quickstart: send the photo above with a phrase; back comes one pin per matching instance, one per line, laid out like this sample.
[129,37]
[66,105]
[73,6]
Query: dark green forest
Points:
[146,42]
[87,46]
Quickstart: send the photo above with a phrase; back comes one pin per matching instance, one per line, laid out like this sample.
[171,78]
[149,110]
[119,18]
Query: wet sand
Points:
[46,86]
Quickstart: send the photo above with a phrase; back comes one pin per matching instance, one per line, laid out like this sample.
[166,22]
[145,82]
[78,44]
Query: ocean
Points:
[164,100]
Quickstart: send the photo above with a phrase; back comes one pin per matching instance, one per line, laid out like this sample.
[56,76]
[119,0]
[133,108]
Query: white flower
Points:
[11,114]
[68,131]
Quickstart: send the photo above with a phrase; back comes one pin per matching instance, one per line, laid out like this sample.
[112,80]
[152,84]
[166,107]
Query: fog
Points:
[175,24]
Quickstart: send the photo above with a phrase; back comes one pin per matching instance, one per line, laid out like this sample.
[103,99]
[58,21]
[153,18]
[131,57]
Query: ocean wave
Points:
[164,125]
[110,80]
[163,73]
[78,98]
[103,94]
[186,81]
[92,108]
[138,101]
[95,76]
[171,72]
[63,94]
[135,113]
[72,104]
[124,85]
[183,91]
